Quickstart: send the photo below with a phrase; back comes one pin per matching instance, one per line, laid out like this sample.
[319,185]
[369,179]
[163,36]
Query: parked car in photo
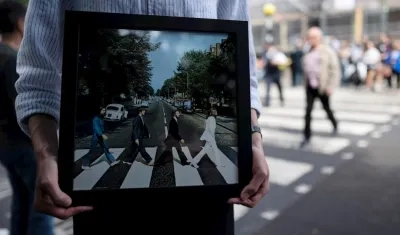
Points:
[115,113]
[187,106]
[145,104]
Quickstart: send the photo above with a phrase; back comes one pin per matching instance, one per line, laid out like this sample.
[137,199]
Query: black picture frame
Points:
[76,21]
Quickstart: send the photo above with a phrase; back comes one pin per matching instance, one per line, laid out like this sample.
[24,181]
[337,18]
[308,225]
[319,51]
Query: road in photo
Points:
[157,123]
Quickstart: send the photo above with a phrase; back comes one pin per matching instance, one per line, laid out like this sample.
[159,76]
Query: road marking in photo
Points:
[166,131]
[79,153]
[318,144]
[228,170]
[362,143]
[347,156]
[327,170]
[269,214]
[284,172]
[165,120]
[185,175]
[321,114]
[303,188]
[139,175]
[88,178]
[352,128]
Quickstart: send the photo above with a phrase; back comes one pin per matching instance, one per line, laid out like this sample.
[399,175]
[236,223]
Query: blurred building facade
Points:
[349,20]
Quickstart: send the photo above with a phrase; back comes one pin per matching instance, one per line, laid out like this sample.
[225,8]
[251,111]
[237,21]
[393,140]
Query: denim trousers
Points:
[20,164]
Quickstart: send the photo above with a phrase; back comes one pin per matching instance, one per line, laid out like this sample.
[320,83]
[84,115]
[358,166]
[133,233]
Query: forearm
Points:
[43,130]
[256,137]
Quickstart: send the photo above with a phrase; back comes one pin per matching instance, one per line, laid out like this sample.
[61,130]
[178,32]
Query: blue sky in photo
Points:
[173,46]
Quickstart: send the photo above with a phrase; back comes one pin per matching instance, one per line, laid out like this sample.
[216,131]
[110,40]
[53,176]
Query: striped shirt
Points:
[40,56]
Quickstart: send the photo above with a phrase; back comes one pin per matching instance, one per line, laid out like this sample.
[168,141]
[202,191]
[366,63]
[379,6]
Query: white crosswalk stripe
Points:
[294,170]
[140,174]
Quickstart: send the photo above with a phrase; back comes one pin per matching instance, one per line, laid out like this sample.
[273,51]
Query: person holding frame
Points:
[38,107]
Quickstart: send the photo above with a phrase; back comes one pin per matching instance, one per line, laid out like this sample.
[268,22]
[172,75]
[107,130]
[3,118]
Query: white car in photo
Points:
[115,113]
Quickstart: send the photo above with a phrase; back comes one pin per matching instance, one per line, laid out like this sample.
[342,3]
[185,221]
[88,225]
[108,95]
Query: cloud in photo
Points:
[165,46]
[173,46]
[154,35]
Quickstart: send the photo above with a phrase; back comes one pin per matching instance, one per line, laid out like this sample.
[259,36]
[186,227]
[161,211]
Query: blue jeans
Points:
[21,168]
[97,140]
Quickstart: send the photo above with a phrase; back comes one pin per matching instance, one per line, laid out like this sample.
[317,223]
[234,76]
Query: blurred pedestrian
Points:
[322,73]
[273,59]
[16,153]
[296,56]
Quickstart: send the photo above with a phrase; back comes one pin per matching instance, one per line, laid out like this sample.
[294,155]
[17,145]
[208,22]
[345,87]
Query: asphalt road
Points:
[168,171]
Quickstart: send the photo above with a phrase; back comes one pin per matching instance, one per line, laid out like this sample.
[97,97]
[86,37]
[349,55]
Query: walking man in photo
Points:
[98,138]
[322,75]
[174,139]
[140,132]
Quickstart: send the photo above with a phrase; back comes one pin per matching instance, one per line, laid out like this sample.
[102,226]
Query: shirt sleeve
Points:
[40,61]
[239,10]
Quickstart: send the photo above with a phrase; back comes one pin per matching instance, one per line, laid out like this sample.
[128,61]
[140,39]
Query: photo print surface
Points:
[155,109]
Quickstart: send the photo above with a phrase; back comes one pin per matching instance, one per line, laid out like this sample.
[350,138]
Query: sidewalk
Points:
[361,198]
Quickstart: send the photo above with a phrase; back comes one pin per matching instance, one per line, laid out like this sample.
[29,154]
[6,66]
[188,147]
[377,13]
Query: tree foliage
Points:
[201,74]
[112,64]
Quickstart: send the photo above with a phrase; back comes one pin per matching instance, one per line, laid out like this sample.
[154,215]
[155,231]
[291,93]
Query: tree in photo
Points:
[112,64]
[192,76]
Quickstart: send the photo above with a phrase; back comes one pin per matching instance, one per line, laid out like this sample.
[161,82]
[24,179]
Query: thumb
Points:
[58,197]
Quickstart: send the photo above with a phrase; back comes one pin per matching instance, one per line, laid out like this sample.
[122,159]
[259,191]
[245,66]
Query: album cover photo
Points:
[155,109]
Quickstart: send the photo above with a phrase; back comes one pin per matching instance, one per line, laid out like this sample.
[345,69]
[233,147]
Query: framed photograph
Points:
[154,105]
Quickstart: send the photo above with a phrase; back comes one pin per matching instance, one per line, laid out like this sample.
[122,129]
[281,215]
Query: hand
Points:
[137,142]
[49,198]
[258,187]
[105,137]
[182,141]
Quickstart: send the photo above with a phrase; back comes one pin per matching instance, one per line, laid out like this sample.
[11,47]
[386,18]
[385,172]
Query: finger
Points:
[253,187]
[263,190]
[235,200]
[65,213]
[238,201]
[58,197]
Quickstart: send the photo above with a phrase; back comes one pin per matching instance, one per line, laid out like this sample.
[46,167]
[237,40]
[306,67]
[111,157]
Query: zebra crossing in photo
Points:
[140,175]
